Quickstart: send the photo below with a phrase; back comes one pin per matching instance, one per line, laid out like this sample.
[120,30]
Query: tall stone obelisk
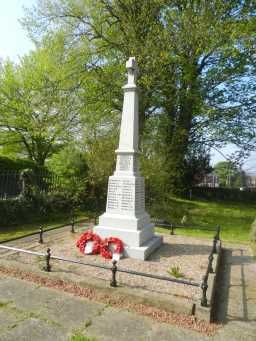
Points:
[125,215]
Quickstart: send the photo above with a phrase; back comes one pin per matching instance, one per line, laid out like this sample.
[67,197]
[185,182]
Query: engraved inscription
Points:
[127,203]
[140,195]
[114,193]
[126,195]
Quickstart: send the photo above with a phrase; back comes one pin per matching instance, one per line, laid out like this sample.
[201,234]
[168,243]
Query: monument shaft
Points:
[125,215]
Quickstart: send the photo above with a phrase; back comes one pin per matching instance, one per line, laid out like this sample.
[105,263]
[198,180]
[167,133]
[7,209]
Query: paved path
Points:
[237,294]
[32,313]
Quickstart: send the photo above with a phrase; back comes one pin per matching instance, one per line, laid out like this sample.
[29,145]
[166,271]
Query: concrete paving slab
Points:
[67,310]
[115,325]
[34,330]
[7,320]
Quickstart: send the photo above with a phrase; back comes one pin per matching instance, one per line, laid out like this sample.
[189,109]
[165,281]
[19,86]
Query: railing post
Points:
[218,232]
[114,270]
[48,257]
[210,258]
[204,287]
[214,246]
[73,222]
[172,233]
[41,235]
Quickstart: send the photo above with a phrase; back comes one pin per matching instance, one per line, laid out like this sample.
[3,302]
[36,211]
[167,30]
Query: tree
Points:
[196,61]
[229,174]
[36,112]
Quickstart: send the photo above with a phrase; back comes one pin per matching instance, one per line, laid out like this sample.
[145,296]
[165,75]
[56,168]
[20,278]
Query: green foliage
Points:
[197,75]
[35,111]
[68,162]
[253,231]
[223,194]
[229,175]
[13,211]
[7,164]
[175,272]
[37,206]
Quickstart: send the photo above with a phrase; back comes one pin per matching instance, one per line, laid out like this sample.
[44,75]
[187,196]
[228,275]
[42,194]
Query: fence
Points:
[11,183]
[42,230]
[169,226]
[114,268]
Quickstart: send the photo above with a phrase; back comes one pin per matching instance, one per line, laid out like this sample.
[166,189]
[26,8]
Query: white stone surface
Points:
[125,215]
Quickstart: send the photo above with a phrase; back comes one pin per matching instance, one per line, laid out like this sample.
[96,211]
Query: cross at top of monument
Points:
[133,70]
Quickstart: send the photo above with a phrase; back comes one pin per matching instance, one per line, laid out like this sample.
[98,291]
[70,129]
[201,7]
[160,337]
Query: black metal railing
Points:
[41,231]
[209,269]
[114,268]
[169,226]
[12,184]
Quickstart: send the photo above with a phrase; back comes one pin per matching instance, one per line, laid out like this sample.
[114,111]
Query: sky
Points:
[14,42]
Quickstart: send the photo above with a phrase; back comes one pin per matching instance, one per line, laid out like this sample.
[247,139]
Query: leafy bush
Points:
[37,206]
[7,164]
[253,231]
[15,210]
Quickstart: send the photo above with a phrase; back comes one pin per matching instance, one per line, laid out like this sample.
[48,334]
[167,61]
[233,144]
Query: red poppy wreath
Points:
[93,242]
[105,250]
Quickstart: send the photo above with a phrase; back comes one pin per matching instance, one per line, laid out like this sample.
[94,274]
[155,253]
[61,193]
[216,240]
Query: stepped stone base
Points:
[144,251]
[128,237]
[139,244]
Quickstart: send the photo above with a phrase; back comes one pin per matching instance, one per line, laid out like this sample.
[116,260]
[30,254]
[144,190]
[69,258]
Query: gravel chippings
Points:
[189,254]
[184,321]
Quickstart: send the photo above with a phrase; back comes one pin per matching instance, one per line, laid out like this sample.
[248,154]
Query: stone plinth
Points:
[125,215]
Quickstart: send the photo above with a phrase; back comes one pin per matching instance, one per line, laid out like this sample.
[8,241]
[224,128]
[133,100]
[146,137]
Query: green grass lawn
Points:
[23,229]
[235,219]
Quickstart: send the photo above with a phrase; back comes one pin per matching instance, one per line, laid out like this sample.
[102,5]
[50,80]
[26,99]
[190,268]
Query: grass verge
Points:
[21,230]
[234,218]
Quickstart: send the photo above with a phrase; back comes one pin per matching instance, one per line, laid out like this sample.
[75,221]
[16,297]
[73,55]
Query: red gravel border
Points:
[160,315]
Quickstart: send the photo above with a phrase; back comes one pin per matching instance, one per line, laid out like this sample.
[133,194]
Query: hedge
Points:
[19,210]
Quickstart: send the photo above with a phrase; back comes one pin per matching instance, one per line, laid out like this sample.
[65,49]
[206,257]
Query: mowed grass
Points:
[234,218]
[24,229]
